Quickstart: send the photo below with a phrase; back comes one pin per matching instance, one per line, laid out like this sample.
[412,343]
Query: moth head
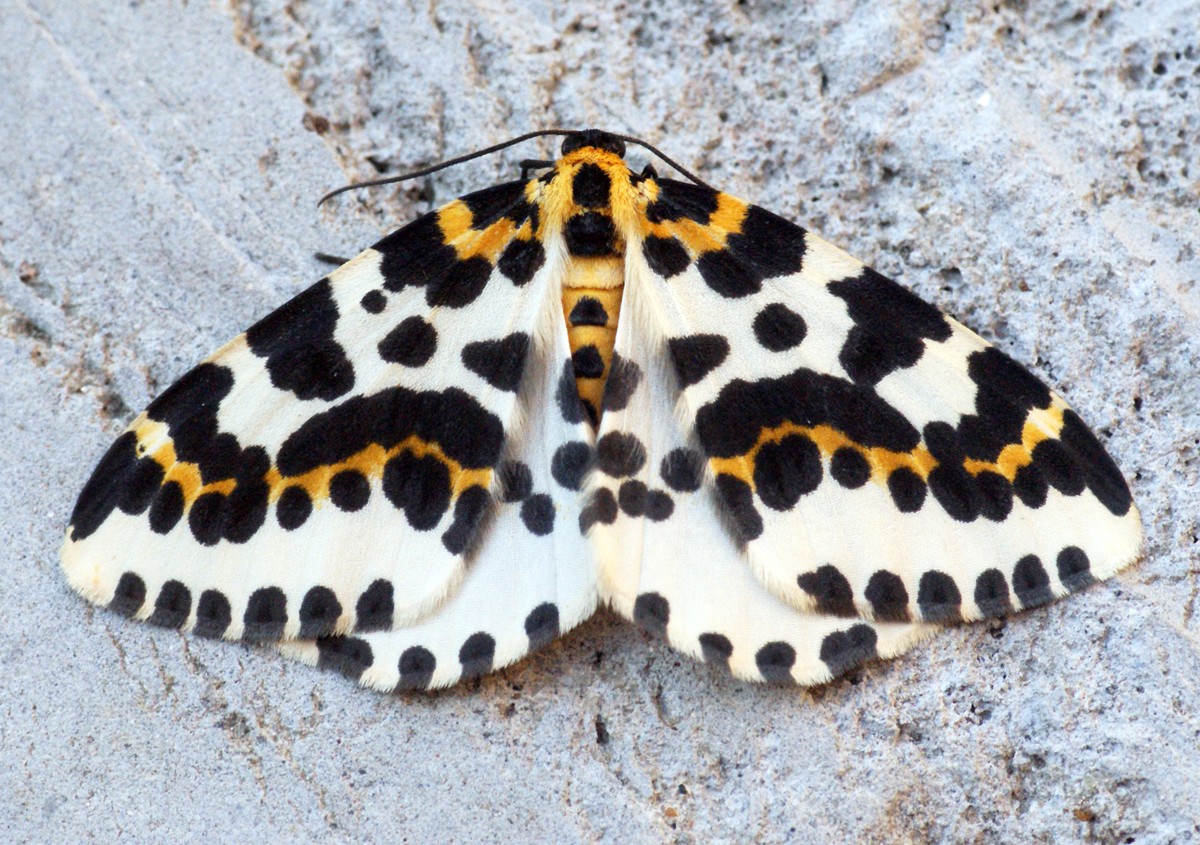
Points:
[593,138]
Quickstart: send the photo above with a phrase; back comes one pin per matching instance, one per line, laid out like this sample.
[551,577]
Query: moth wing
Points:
[328,470]
[668,559]
[871,455]
[532,577]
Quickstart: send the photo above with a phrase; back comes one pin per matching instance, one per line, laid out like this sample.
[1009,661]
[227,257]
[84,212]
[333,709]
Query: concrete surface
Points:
[1031,167]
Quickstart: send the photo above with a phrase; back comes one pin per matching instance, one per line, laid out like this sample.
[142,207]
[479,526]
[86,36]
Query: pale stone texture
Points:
[1032,168]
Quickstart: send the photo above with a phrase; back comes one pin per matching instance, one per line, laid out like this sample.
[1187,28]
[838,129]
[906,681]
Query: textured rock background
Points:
[1031,167]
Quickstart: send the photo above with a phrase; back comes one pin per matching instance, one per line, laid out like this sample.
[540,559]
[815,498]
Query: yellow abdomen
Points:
[591,304]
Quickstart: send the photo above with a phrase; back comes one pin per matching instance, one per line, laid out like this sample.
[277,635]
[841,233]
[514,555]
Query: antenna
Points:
[541,133]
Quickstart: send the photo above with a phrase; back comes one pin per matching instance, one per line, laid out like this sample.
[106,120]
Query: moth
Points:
[594,387]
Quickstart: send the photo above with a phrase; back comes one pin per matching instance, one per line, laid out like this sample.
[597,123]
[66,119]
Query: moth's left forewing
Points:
[871,456]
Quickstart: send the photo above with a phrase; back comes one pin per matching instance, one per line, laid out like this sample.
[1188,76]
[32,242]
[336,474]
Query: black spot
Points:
[588,311]
[873,299]
[541,625]
[729,274]
[570,463]
[889,600]
[591,186]
[103,489]
[738,499]
[775,661]
[843,650]
[787,470]
[665,256]
[991,593]
[624,376]
[349,490]
[319,613]
[375,608]
[172,606]
[1030,582]
[1058,467]
[907,489]
[1030,486]
[349,656]
[476,655]
[520,260]
[266,614]
[498,362]
[955,490]
[695,356]
[659,506]
[730,425]
[167,509]
[140,486]
[829,589]
[587,362]
[129,595]
[867,357]
[468,514]
[537,512]
[373,301]
[767,246]
[680,201]
[189,409]
[632,498]
[516,481]
[490,204]
[891,322]
[768,243]
[938,597]
[467,432]
[590,234]
[995,495]
[461,285]
[1098,470]
[418,486]
[213,614]
[683,470]
[1074,568]
[416,668]
[411,343]
[1006,392]
[297,342]
[619,454]
[415,255]
[601,509]
[567,395]
[779,328]
[716,648]
[205,518]
[652,612]
[849,467]
[293,507]
[246,507]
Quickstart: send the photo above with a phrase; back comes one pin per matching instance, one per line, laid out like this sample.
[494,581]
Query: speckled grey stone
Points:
[1030,167]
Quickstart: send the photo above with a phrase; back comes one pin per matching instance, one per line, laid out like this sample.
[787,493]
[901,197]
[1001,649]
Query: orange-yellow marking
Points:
[1040,424]
[700,238]
[154,442]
